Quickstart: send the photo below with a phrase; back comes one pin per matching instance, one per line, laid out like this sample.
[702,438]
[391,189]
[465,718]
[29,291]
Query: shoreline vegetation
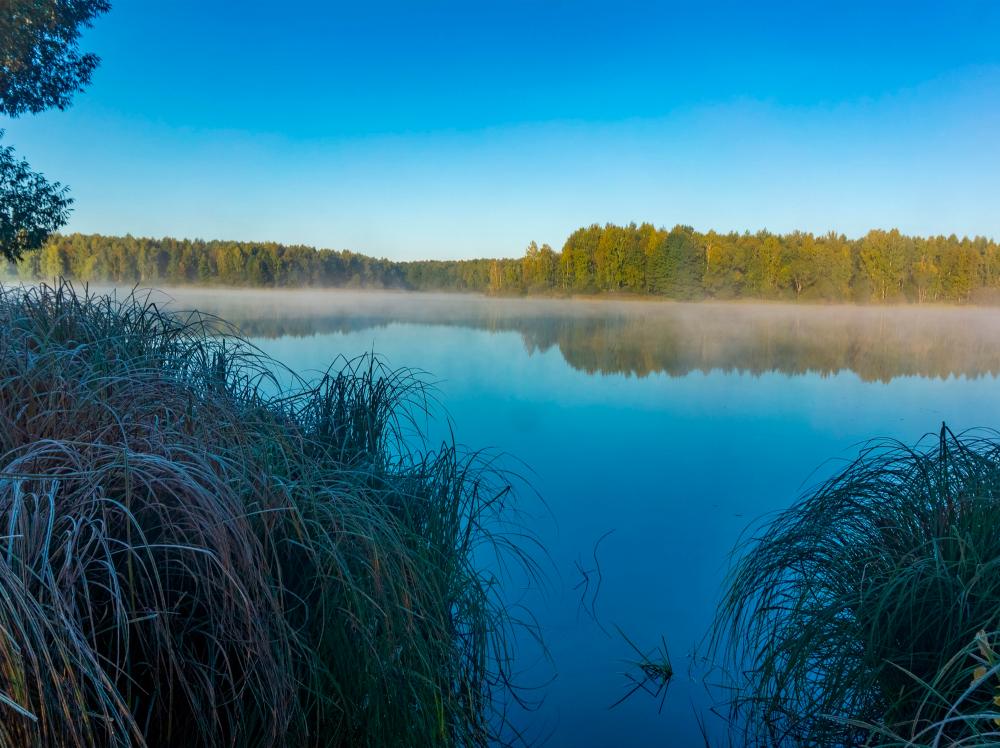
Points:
[634,261]
[866,614]
[197,554]
[219,559]
[201,548]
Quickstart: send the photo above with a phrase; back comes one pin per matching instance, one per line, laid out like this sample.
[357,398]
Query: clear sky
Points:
[436,128]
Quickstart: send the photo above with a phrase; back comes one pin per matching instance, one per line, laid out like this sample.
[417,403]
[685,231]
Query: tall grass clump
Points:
[859,616]
[193,554]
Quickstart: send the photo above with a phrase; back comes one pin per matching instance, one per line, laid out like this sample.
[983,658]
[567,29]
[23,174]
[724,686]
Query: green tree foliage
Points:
[883,256]
[539,268]
[725,266]
[658,278]
[31,208]
[41,67]
[680,263]
[684,256]
[618,262]
[577,263]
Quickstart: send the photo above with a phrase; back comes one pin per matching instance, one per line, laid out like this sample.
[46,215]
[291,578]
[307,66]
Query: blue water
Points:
[676,465]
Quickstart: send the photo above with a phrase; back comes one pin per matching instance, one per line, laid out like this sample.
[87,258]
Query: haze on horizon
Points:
[449,129]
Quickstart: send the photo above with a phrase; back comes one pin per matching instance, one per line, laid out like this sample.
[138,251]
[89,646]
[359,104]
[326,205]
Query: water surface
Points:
[672,425]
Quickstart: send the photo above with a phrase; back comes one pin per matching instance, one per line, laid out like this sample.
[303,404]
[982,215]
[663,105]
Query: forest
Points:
[883,266]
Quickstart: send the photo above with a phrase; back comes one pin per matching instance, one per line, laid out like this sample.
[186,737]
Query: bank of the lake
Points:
[653,433]
[203,548]
[673,425]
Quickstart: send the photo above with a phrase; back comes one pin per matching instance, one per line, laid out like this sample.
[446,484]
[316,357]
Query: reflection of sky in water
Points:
[677,466]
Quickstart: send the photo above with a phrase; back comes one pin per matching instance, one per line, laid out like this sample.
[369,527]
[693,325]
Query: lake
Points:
[671,426]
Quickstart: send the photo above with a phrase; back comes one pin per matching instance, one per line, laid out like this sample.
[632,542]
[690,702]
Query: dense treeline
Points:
[131,259]
[679,263]
[684,264]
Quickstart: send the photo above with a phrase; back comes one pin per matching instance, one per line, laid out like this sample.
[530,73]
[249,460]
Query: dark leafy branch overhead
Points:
[31,207]
[41,65]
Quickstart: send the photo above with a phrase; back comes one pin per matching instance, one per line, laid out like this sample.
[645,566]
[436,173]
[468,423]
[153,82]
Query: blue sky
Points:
[436,128]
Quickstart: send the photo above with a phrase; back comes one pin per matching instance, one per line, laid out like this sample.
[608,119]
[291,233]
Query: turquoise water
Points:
[673,426]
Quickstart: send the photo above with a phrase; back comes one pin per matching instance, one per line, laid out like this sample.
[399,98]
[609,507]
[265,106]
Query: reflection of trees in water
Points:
[877,345]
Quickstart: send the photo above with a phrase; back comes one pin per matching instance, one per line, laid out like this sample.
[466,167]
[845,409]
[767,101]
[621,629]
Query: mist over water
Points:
[672,425]
[647,337]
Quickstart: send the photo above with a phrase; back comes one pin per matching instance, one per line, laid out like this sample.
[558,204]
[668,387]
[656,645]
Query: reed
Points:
[859,615]
[195,553]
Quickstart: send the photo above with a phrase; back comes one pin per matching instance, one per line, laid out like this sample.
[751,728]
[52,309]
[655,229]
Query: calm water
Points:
[672,425]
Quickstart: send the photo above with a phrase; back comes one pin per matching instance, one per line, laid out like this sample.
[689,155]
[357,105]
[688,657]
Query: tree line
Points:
[678,263]
[681,263]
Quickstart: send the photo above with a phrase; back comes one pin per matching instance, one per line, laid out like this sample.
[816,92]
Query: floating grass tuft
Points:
[192,554]
[655,671]
[854,618]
